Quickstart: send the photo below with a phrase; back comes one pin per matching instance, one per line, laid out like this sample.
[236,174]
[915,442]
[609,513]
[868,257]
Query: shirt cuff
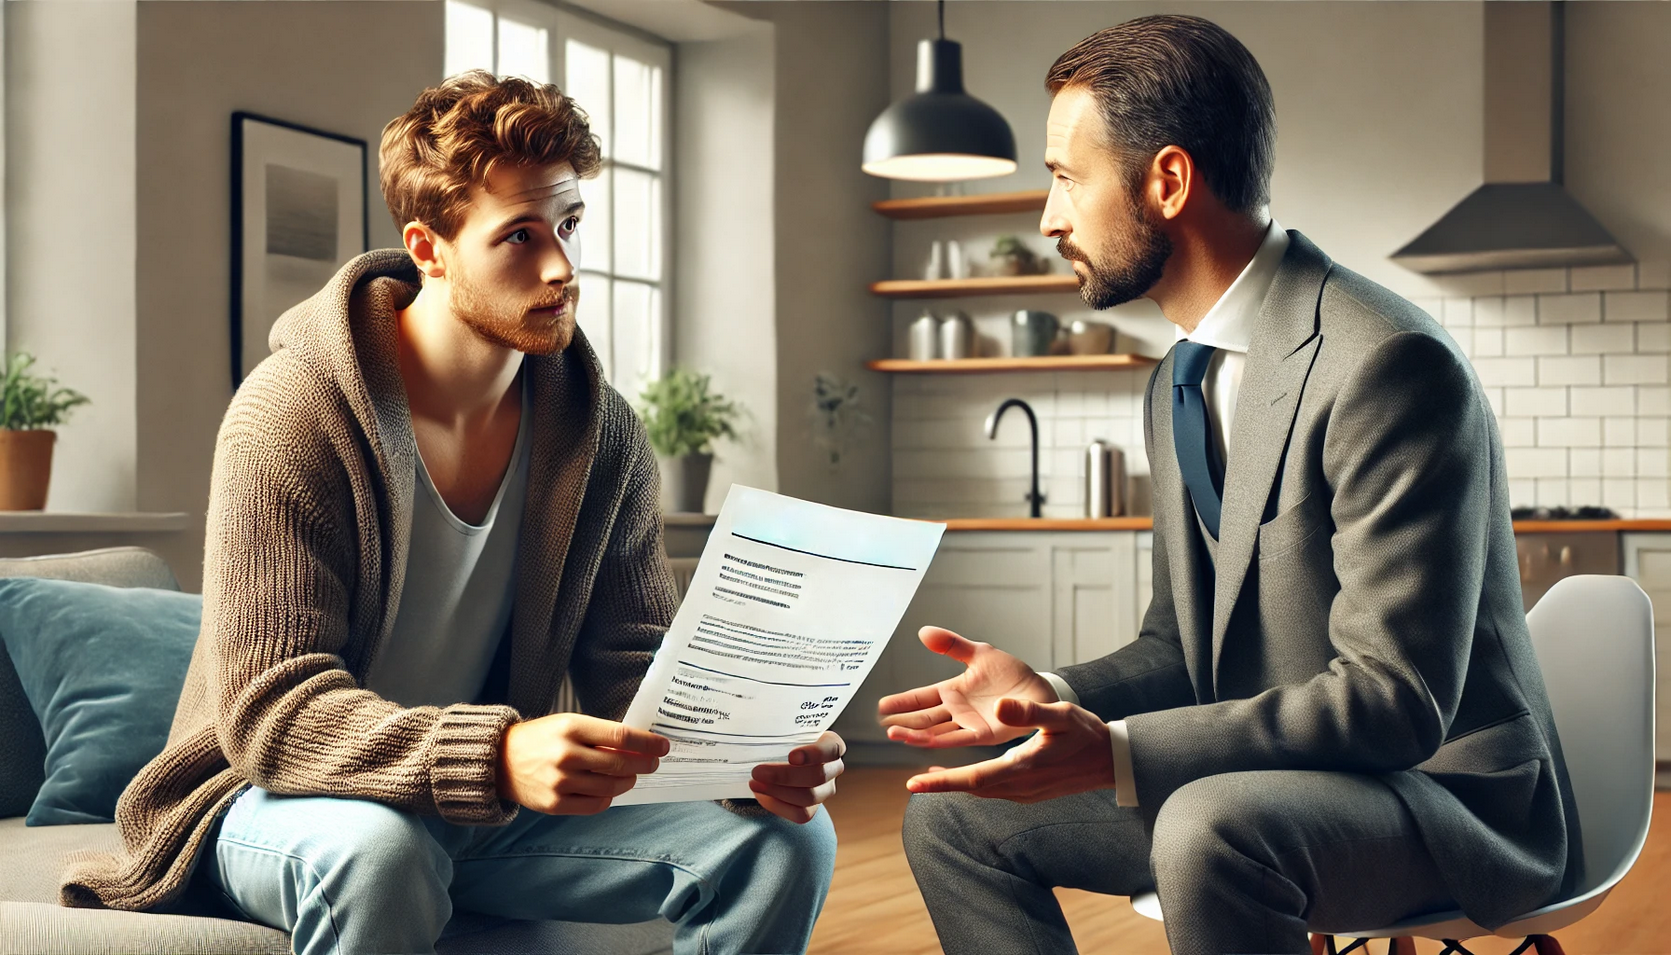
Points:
[1125,788]
[1064,693]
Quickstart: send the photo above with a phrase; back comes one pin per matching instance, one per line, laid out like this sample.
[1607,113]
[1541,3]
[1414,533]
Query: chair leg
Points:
[1546,945]
[1403,945]
[1322,944]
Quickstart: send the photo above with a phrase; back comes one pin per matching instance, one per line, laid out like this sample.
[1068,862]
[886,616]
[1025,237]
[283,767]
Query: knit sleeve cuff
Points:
[464,765]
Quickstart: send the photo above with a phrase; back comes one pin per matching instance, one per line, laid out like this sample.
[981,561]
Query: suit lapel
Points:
[1187,561]
[1279,358]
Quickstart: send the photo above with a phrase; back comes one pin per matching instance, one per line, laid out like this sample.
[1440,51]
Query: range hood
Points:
[1522,217]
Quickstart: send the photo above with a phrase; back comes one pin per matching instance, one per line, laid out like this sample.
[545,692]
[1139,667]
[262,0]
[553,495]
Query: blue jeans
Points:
[355,876]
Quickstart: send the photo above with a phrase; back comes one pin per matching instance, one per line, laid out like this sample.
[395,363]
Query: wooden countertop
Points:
[1146,523]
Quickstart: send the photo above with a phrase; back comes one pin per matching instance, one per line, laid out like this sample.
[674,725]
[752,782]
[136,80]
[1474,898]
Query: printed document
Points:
[791,605]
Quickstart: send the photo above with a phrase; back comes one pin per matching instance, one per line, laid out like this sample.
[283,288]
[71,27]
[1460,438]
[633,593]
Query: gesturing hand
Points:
[794,790]
[1070,754]
[570,764]
[962,711]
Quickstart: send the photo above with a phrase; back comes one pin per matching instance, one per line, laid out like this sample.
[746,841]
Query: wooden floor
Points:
[874,906]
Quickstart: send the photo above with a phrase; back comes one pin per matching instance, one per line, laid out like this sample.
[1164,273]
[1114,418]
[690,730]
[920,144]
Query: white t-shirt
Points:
[456,603]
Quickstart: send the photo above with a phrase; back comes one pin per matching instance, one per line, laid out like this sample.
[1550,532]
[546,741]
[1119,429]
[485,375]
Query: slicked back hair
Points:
[1181,81]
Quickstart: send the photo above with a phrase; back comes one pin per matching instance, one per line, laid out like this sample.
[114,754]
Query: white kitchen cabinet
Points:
[1647,560]
[1050,598]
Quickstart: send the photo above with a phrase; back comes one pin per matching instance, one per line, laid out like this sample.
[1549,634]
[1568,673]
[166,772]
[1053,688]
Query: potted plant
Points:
[683,418]
[1010,256]
[30,405]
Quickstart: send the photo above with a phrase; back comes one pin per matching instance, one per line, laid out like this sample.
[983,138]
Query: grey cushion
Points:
[31,921]
[22,747]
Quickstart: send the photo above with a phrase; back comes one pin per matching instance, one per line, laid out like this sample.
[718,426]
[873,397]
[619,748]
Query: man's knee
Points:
[1213,827]
[938,823]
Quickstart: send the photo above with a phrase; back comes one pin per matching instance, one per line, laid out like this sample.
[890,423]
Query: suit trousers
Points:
[1243,862]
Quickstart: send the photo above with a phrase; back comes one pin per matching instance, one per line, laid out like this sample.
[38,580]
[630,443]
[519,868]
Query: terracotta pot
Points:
[25,468]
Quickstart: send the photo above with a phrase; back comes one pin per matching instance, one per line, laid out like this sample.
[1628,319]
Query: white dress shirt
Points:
[1228,327]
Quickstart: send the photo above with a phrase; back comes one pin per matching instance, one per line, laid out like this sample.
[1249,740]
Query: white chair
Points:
[1594,640]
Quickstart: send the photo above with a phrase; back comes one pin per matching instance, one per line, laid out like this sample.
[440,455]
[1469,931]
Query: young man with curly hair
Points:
[428,507]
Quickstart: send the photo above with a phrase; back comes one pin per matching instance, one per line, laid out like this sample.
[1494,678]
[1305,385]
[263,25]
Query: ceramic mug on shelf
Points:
[1032,333]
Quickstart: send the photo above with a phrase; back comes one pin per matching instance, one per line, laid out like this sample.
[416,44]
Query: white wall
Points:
[832,80]
[71,223]
[725,293]
[347,67]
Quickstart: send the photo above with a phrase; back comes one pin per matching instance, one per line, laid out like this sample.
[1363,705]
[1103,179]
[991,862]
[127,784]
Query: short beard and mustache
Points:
[1137,263]
[508,324]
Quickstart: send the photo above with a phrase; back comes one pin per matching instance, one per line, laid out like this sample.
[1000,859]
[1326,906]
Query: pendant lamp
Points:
[940,133]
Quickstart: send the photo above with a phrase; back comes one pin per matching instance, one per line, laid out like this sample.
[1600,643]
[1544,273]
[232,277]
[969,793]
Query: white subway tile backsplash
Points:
[1653,432]
[1497,312]
[1599,277]
[1654,274]
[1653,462]
[1652,337]
[1502,372]
[1569,370]
[1458,313]
[1553,492]
[1619,493]
[1488,343]
[1569,432]
[1576,309]
[1584,463]
[1536,462]
[1618,462]
[1637,369]
[1519,432]
[1521,281]
[1617,400]
[1585,490]
[1535,340]
[1637,306]
[1602,339]
[1619,432]
[1535,402]
[1653,399]
[1653,497]
[1576,366]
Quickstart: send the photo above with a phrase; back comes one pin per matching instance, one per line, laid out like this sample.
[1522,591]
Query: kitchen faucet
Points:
[1034,498]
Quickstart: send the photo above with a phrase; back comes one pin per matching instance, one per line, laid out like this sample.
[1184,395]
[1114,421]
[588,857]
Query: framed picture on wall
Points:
[298,215]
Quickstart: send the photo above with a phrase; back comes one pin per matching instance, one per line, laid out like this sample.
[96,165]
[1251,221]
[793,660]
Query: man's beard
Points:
[509,324]
[1137,266]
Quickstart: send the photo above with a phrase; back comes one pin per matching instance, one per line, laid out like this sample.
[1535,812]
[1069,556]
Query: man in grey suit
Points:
[1332,717]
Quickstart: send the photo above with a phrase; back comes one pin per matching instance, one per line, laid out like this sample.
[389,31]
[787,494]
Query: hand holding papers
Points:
[790,607]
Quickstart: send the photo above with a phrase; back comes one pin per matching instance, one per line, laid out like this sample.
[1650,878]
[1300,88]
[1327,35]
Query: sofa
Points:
[31,921]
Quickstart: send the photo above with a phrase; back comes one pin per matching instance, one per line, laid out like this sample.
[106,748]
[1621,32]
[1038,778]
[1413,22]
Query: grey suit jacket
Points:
[1364,614]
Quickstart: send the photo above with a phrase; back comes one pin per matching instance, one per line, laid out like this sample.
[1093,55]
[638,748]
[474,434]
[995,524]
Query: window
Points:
[620,77]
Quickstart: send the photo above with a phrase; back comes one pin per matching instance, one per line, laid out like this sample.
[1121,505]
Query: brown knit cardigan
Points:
[309,512]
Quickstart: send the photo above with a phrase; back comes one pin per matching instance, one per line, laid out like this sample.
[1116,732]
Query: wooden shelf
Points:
[935,207]
[965,366]
[986,285]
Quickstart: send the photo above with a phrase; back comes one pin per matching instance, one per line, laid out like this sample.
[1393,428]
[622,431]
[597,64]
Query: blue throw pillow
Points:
[102,667]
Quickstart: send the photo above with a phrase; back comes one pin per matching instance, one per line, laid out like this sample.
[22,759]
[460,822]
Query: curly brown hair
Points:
[459,132]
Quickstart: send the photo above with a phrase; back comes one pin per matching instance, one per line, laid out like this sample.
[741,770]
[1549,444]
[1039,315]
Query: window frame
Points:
[563,22]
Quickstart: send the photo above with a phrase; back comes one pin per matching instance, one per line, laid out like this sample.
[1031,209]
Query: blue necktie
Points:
[1190,434]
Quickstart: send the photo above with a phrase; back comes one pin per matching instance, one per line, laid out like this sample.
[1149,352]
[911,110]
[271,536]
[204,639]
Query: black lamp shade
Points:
[940,133]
